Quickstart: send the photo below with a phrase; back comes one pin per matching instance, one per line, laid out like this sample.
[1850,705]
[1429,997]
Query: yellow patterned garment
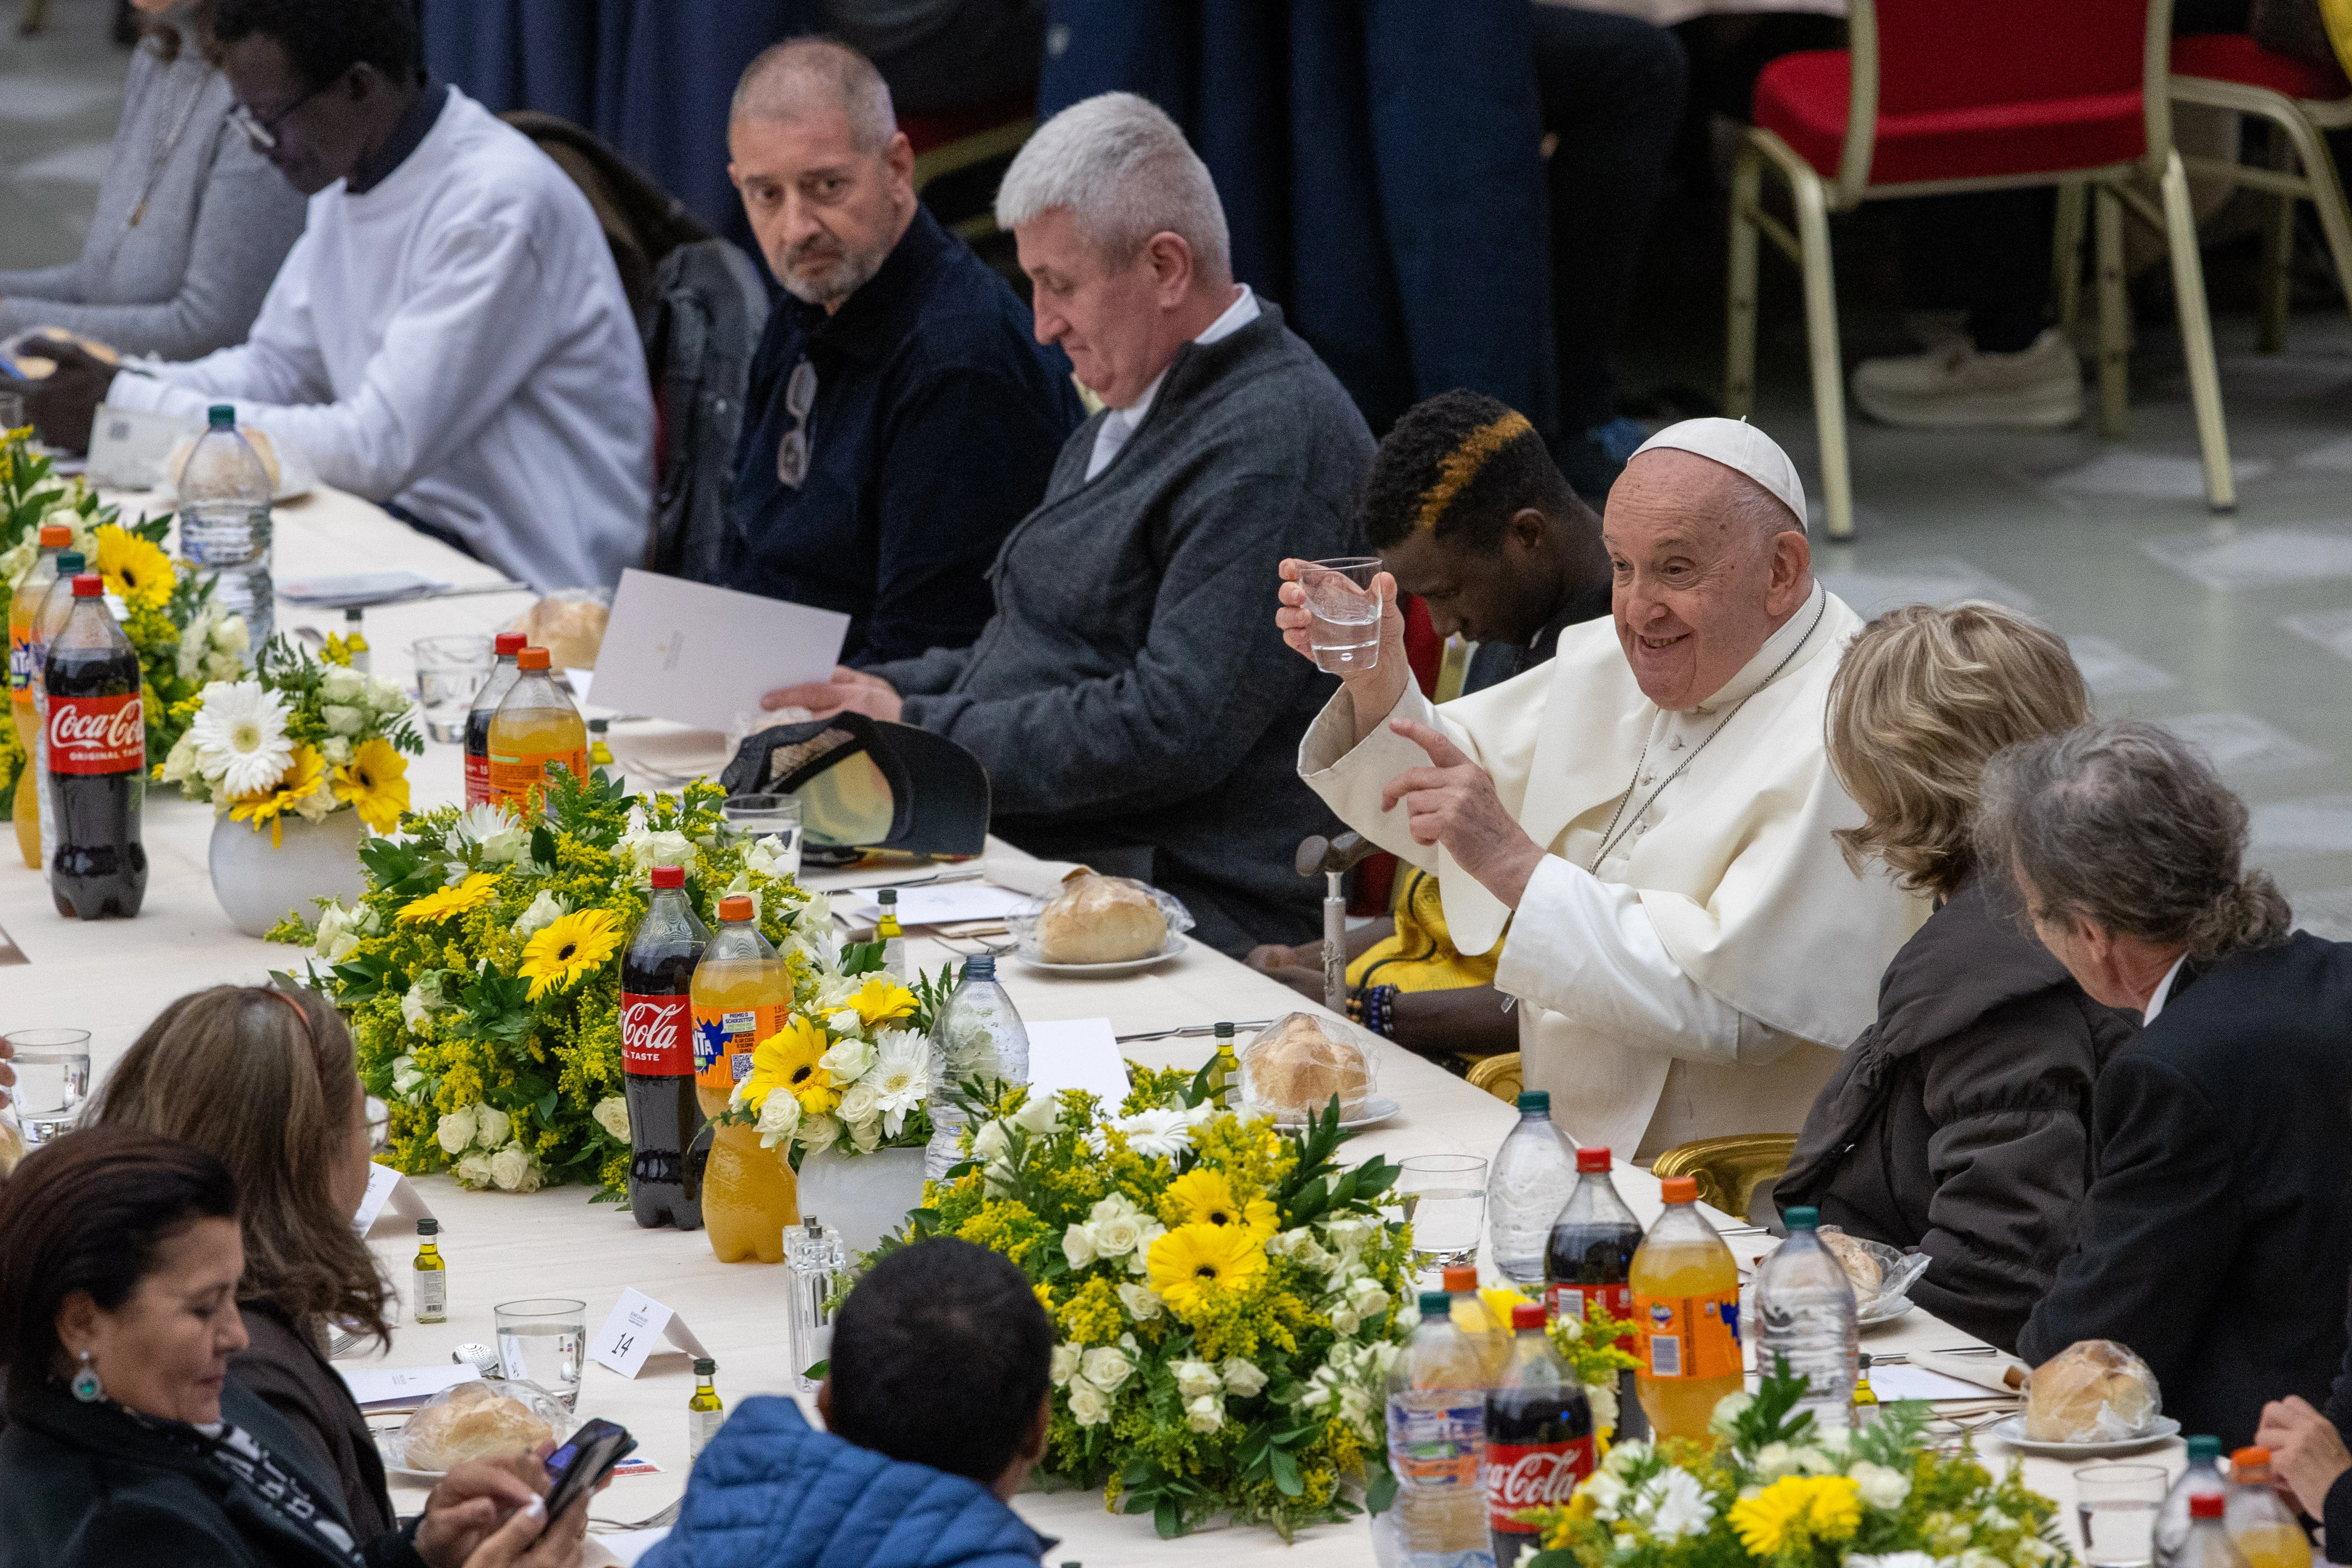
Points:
[1419,957]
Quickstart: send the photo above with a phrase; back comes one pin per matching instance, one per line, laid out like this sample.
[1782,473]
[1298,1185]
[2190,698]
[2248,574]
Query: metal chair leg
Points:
[2326,194]
[2278,257]
[2197,337]
[1739,340]
[2114,317]
[2066,254]
[1822,340]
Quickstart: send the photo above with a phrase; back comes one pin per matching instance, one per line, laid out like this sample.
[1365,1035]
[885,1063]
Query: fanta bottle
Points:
[536,726]
[24,674]
[1686,1299]
[2262,1527]
[741,994]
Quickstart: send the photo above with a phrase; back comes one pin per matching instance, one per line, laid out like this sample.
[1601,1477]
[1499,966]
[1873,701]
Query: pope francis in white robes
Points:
[1687,944]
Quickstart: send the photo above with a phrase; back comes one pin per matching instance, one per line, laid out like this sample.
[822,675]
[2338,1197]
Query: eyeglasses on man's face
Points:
[263,133]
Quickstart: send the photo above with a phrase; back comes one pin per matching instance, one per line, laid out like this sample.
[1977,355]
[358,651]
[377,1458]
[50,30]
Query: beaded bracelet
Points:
[1377,1009]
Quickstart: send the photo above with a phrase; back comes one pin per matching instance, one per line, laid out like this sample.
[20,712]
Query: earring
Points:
[85,1386]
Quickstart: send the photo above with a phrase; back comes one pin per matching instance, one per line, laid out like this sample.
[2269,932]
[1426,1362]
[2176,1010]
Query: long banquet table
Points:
[111,977]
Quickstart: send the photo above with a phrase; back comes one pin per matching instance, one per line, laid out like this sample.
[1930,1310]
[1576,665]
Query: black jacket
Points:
[282,1367]
[2214,1238]
[1960,1122]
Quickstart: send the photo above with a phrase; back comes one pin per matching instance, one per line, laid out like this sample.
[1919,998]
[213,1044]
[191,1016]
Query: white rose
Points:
[847,1060]
[611,1114]
[1138,1261]
[508,1166]
[818,1131]
[1625,1458]
[1195,1378]
[861,1102]
[1119,1235]
[1142,1302]
[1038,1116]
[1090,1407]
[1774,1461]
[1205,1414]
[990,1142]
[502,848]
[780,1118]
[1066,1358]
[1344,1321]
[335,750]
[384,695]
[765,856]
[231,636]
[1880,1485]
[845,1022]
[1603,1399]
[406,1077]
[455,1130]
[1107,1366]
[180,764]
[1358,1407]
[1607,1493]
[1078,1245]
[491,1126]
[666,850]
[473,1171]
[1241,1377]
[1728,1411]
[316,806]
[343,720]
[343,685]
[543,911]
[1365,1295]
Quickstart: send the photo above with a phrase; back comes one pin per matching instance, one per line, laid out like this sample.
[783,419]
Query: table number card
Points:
[390,1197]
[638,1323]
[1076,1053]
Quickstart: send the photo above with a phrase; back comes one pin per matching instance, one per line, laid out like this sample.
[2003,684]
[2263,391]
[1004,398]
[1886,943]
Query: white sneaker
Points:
[2037,388]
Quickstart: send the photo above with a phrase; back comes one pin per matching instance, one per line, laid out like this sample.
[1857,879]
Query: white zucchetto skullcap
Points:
[1740,446]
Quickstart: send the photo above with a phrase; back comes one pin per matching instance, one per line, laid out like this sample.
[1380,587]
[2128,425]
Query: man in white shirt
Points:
[1650,814]
[448,337]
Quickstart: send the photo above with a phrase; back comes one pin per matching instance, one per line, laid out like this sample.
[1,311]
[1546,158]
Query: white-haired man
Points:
[1134,708]
[1649,815]
[899,421]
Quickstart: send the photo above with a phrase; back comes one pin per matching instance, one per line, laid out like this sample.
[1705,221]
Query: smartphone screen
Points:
[587,1458]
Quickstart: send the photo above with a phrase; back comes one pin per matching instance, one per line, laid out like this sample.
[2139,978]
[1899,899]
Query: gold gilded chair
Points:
[1729,1170]
[1499,1076]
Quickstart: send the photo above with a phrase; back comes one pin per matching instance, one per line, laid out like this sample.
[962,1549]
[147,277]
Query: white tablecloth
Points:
[111,977]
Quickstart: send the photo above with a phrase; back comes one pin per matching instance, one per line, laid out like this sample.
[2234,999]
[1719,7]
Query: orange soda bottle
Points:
[1686,1299]
[1485,1333]
[741,994]
[24,609]
[2260,1526]
[536,725]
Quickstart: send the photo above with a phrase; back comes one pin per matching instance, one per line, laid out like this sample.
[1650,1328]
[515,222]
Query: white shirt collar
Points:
[1118,423]
[1781,645]
[2163,992]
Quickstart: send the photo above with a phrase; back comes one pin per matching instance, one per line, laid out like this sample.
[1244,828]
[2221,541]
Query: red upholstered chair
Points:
[1971,95]
[2229,70]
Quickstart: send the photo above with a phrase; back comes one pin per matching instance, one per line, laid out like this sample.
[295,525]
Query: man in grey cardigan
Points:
[1129,698]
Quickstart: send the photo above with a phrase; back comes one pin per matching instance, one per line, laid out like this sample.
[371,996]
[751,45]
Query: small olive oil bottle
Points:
[1226,1072]
[432,1277]
[891,935]
[703,1412]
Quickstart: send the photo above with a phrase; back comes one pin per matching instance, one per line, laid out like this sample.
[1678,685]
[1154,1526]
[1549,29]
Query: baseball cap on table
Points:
[1740,446]
[864,783]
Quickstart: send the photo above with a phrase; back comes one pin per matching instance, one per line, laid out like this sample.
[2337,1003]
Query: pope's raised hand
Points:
[1452,802]
[852,689]
[1375,691]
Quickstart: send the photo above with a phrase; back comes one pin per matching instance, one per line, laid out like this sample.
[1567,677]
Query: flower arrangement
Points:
[481,972]
[1770,1488]
[851,1068]
[1224,1298]
[183,639]
[302,734]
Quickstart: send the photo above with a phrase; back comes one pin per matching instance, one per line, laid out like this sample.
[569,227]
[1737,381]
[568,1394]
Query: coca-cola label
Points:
[478,779]
[658,1035]
[1538,1475]
[1576,1302]
[96,734]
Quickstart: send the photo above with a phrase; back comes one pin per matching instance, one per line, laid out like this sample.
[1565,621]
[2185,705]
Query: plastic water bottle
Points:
[1532,1177]
[1805,1312]
[978,1036]
[2260,1527]
[2204,1475]
[1437,1448]
[2208,1544]
[225,522]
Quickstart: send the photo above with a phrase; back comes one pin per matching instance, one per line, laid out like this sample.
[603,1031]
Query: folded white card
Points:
[1077,1053]
[374,1386]
[390,1196]
[700,655]
[636,1324]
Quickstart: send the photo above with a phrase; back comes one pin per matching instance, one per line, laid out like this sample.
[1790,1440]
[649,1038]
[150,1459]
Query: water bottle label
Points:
[96,734]
[656,1035]
[1690,1336]
[1437,1448]
[1534,1476]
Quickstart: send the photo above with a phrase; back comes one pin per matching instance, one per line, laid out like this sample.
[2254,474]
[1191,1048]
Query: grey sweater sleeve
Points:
[59,282]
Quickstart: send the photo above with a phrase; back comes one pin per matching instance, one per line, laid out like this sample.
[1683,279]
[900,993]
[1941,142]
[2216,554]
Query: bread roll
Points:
[571,630]
[254,438]
[471,1422]
[2093,1391]
[1295,1067]
[1100,920]
[1861,1268]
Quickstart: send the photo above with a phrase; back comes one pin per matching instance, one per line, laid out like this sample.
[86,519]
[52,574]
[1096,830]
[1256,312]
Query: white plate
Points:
[2012,1432]
[1174,948]
[1885,1309]
[1372,1112]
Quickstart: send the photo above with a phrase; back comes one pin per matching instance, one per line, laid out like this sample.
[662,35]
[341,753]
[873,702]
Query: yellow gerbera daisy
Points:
[787,1060]
[1193,1258]
[472,893]
[304,774]
[138,571]
[881,999]
[568,948]
[1795,1509]
[1205,1198]
[376,781]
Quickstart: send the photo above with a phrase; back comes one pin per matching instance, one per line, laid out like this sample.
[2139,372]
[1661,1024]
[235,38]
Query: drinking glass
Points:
[2116,1505]
[52,1077]
[776,817]
[1345,630]
[543,1340]
[1445,1203]
[12,411]
[449,671]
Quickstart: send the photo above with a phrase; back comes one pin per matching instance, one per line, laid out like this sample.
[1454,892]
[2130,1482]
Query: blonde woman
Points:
[1958,1123]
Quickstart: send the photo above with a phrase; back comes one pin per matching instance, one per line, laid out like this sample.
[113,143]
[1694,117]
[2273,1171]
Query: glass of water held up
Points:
[1344,610]
[1445,1200]
[544,1342]
[2116,1505]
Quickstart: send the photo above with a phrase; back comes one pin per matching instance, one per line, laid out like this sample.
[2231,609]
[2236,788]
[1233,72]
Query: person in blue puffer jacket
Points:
[940,1326]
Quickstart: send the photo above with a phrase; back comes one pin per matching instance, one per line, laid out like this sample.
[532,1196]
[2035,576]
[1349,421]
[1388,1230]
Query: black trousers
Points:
[1987,253]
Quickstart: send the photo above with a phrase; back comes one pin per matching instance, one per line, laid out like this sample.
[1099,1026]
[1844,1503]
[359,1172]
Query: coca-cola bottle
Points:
[657,1055]
[1588,1265]
[1538,1436]
[97,756]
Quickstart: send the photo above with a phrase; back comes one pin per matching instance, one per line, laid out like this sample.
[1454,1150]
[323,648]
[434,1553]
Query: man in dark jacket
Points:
[1132,703]
[899,419]
[2213,1239]
[938,1398]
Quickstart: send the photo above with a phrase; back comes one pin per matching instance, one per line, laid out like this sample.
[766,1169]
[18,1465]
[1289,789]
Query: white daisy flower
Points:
[240,736]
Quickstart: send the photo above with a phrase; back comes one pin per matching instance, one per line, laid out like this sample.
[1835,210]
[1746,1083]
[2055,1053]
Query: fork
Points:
[651,1522]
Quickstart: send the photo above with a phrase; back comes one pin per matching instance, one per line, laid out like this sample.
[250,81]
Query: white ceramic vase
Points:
[864,1197]
[259,883]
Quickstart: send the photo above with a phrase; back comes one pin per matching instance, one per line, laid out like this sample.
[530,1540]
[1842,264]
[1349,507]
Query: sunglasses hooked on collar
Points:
[263,133]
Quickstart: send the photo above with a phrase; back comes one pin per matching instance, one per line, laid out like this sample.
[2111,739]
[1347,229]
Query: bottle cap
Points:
[1802,1217]
[669,876]
[1461,1277]
[509,643]
[2244,1458]
[428,1228]
[1862,1362]
[2204,1505]
[704,1366]
[735,907]
[1533,1099]
[56,535]
[1527,1315]
[531,658]
[353,613]
[222,415]
[1593,1157]
[2204,1447]
[887,898]
[1224,1032]
[983,967]
[1679,1189]
[1435,1303]
[598,726]
[70,562]
[89,585]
